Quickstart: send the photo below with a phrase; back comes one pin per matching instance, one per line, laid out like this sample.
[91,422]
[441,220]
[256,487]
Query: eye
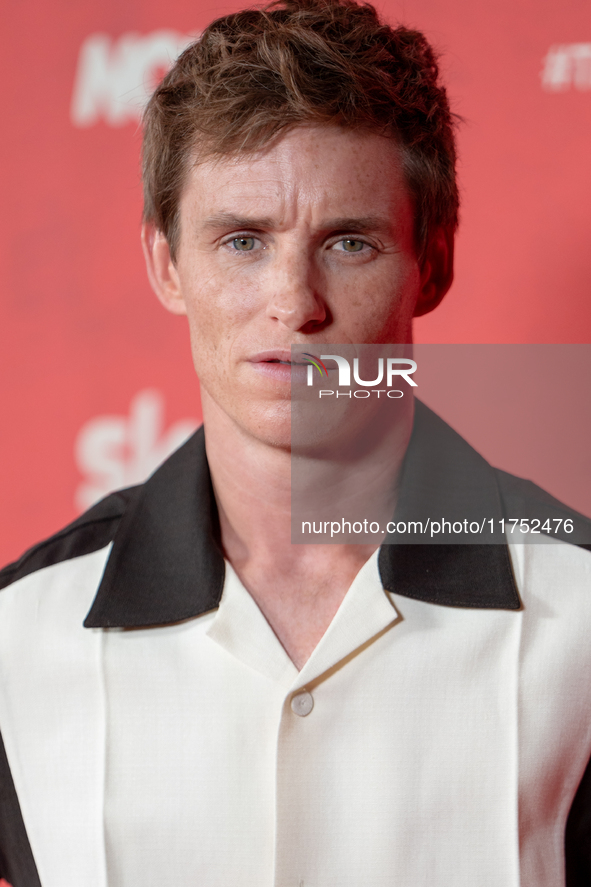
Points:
[349,245]
[244,244]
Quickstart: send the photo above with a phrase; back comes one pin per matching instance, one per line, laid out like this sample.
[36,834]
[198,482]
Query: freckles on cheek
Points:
[220,308]
[372,302]
[384,316]
[218,298]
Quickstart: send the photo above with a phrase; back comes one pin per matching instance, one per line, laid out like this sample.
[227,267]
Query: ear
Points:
[437,271]
[162,272]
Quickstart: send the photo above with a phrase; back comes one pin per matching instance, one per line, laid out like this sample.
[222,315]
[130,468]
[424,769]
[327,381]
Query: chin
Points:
[273,435]
[269,425]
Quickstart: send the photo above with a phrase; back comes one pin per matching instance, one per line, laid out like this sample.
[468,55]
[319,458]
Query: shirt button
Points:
[302,703]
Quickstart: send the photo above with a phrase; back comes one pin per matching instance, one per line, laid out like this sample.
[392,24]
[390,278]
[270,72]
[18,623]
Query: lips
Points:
[276,357]
[278,366]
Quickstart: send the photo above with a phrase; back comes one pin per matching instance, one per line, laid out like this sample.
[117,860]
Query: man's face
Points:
[307,242]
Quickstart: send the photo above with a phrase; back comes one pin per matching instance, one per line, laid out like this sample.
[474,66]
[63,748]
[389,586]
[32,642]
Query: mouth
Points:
[278,365]
[281,357]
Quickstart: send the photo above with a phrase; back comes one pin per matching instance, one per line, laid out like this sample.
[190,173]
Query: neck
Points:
[252,485]
[298,587]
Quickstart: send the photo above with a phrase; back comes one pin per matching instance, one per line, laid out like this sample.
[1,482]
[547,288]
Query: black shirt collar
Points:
[166,564]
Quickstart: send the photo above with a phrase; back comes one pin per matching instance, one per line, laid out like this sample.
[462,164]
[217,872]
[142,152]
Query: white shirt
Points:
[407,770]
[395,757]
[444,745]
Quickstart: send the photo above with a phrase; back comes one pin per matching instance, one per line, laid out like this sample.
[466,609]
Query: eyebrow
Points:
[361,225]
[357,224]
[229,220]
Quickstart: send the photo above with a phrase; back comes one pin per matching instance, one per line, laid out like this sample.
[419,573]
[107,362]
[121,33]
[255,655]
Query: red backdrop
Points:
[97,382]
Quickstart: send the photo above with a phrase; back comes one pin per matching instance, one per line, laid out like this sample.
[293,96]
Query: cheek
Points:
[381,309]
[219,308]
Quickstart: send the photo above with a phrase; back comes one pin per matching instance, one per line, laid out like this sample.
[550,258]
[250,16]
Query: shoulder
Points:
[550,549]
[533,508]
[92,531]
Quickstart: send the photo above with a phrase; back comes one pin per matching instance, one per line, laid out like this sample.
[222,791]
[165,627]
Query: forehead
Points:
[311,172]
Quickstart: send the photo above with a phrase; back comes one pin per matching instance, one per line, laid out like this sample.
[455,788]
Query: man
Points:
[238,709]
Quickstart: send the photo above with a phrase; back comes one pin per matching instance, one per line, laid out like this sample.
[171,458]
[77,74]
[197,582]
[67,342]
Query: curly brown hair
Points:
[254,74]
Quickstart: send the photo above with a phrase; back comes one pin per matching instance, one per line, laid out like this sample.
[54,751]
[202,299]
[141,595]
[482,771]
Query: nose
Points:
[296,299]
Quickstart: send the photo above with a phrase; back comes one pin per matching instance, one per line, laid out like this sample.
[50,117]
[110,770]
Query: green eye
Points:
[352,246]
[243,243]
